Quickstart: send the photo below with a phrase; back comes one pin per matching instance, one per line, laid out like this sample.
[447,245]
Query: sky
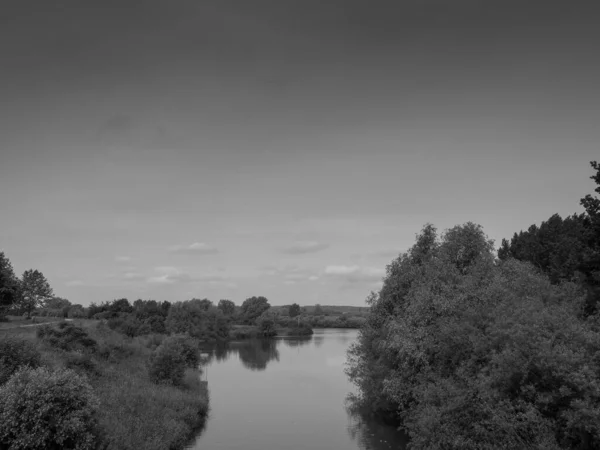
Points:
[285,148]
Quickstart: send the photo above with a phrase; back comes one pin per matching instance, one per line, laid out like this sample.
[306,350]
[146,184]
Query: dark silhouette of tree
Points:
[253,307]
[227,307]
[294,310]
[9,285]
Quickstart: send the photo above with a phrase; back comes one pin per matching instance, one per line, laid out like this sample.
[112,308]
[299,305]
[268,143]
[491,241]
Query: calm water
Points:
[287,394]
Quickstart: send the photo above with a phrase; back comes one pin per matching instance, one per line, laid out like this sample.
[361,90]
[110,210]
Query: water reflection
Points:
[372,434]
[297,404]
[297,341]
[254,354]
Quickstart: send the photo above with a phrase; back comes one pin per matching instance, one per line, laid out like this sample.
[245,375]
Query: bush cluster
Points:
[66,336]
[41,409]
[168,362]
[14,354]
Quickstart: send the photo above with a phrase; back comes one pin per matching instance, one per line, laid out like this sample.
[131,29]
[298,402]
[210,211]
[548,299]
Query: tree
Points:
[294,310]
[227,307]
[466,353]
[9,285]
[191,317]
[253,307]
[36,290]
[266,324]
[318,310]
[57,303]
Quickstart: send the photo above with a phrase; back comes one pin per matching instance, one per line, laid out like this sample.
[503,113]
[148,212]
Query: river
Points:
[286,394]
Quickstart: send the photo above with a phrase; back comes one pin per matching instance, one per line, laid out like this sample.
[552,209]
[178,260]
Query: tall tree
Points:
[36,290]
[253,307]
[9,285]
[294,310]
[227,307]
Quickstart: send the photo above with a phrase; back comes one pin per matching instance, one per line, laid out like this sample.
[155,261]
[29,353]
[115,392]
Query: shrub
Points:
[266,325]
[43,409]
[66,337]
[167,363]
[303,329]
[81,363]
[16,353]
[188,347]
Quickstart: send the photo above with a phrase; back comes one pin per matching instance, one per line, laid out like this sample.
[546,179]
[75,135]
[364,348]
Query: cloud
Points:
[290,273]
[172,275]
[355,274]
[74,283]
[197,248]
[301,247]
[133,276]
[122,258]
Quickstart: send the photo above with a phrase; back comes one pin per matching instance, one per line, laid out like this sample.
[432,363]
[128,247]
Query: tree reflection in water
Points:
[254,354]
[371,433]
[297,341]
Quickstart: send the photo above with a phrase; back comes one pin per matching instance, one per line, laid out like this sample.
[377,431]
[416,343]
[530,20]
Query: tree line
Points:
[466,348]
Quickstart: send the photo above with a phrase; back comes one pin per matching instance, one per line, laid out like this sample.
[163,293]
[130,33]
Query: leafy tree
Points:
[43,409]
[253,307]
[318,310]
[9,285]
[267,324]
[465,353]
[227,307]
[193,318]
[57,303]
[294,310]
[167,363]
[121,305]
[36,290]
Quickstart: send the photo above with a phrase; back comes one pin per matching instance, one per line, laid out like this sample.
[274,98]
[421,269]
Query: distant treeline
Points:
[469,349]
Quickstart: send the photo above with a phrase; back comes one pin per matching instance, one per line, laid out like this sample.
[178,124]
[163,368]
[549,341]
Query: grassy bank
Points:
[134,412]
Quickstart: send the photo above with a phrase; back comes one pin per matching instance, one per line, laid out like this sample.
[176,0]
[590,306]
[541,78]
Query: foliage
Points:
[294,310]
[566,249]
[201,321]
[253,307]
[303,329]
[266,325]
[56,303]
[227,307]
[14,354]
[44,409]
[35,290]
[9,285]
[167,363]
[469,354]
[66,336]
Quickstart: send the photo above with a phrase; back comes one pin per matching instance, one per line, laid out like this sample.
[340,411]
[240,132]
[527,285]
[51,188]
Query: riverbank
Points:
[134,412]
[241,332]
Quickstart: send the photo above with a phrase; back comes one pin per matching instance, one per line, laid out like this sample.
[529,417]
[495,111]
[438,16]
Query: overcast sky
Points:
[285,148]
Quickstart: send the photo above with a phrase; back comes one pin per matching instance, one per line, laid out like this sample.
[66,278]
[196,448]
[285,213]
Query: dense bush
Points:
[304,329]
[188,347]
[267,325]
[16,353]
[66,336]
[167,363]
[470,354]
[82,363]
[43,409]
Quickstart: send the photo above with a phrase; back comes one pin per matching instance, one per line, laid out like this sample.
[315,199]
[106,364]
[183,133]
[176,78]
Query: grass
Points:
[134,412]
